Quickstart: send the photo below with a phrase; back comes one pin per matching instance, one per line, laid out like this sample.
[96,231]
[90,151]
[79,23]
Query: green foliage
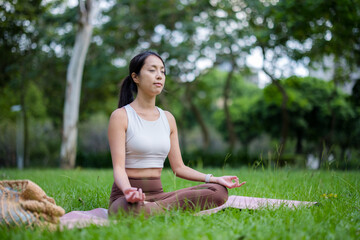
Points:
[244,96]
[313,106]
[8,99]
[309,30]
[36,39]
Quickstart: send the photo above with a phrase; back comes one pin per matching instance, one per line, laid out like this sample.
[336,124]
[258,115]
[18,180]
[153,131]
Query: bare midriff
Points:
[143,172]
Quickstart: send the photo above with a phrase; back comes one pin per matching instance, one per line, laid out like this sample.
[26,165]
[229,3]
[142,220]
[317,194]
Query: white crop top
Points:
[147,142]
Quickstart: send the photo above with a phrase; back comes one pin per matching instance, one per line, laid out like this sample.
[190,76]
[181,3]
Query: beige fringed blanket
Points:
[22,202]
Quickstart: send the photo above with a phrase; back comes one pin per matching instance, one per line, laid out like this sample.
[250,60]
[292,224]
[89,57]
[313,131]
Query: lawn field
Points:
[337,216]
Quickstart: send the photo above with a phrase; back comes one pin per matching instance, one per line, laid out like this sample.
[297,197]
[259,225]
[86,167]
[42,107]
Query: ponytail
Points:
[127,91]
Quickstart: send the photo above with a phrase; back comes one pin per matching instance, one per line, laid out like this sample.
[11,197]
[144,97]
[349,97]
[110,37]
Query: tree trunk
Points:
[23,142]
[299,137]
[284,117]
[284,112]
[329,138]
[229,123]
[73,85]
[199,118]
[322,152]
[342,153]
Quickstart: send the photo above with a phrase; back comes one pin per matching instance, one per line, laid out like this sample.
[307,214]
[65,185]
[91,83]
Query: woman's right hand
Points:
[133,195]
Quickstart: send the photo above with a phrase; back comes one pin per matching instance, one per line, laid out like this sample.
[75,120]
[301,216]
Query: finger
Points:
[130,189]
[137,196]
[130,197]
[141,195]
[239,185]
[133,196]
[229,184]
[234,177]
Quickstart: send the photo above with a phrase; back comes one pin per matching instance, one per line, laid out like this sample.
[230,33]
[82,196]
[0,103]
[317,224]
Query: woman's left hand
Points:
[229,181]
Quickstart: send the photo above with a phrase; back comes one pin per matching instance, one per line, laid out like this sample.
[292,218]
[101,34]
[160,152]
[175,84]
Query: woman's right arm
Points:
[117,137]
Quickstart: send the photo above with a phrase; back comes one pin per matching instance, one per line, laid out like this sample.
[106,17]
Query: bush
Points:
[202,158]
[93,159]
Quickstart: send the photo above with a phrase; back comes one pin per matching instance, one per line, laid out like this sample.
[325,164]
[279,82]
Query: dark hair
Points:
[128,86]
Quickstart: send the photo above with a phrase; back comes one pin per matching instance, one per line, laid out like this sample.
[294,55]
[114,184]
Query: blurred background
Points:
[250,82]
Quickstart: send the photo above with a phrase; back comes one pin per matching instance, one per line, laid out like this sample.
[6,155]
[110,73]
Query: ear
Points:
[135,77]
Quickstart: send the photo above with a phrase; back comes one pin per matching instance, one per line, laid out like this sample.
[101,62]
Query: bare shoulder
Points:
[169,116]
[119,117]
[171,119]
[118,113]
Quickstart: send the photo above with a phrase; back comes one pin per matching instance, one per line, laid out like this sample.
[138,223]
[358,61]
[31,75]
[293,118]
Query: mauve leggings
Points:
[199,197]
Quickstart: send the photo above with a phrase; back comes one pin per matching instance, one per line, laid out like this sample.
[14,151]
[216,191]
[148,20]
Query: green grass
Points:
[335,218]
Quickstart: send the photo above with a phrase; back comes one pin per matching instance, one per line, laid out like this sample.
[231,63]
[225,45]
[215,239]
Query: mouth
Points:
[158,84]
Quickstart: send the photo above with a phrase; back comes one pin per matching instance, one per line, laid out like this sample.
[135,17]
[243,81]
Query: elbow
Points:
[178,170]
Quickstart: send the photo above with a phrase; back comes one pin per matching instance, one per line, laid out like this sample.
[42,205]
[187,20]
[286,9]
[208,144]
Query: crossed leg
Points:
[199,197]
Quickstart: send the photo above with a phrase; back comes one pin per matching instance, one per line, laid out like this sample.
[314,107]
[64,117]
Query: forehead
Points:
[153,61]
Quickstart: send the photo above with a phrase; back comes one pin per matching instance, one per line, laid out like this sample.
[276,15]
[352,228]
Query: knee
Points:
[118,205]
[121,205]
[220,194]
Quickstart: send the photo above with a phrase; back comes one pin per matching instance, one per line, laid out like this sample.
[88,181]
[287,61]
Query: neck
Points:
[144,102]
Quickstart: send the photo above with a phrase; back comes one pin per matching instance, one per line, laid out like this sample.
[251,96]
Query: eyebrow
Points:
[161,66]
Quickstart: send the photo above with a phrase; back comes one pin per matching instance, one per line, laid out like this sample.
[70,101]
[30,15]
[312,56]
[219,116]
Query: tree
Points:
[311,107]
[73,87]
[321,28]
[19,41]
[307,31]
[244,100]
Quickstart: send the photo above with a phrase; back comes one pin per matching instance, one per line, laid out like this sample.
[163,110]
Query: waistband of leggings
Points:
[145,178]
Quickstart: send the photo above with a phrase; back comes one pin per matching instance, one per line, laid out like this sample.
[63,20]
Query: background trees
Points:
[73,83]
[211,88]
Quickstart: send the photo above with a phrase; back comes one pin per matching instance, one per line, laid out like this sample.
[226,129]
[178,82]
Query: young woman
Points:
[141,136]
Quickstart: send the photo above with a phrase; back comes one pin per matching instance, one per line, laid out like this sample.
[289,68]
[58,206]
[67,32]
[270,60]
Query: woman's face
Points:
[151,79]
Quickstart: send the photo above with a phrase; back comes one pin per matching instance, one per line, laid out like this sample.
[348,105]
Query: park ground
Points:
[336,217]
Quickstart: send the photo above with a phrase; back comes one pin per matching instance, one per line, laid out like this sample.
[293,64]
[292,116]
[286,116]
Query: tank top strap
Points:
[164,119]
[129,112]
[131,116]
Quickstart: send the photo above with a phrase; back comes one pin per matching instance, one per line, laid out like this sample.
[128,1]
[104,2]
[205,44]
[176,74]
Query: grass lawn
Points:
[336,218]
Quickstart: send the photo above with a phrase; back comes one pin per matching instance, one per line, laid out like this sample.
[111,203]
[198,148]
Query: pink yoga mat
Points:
[99,216]
[80,219]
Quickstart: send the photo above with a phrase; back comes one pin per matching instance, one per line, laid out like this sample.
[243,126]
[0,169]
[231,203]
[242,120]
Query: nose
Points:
[159,75]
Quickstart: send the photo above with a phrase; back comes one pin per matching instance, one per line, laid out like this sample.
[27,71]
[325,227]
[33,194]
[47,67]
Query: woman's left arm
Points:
[183,171]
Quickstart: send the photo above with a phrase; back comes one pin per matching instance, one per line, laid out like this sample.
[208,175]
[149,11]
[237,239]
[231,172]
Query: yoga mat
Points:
[99,216]
[80,219]
[241,202]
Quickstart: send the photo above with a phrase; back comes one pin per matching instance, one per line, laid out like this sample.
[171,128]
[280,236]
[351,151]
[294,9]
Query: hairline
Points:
[153,65]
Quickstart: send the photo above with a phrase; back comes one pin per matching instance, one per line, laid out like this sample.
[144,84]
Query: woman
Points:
[141,136]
